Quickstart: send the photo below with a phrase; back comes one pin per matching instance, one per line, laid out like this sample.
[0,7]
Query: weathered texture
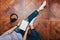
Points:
[6,10]
[47,23]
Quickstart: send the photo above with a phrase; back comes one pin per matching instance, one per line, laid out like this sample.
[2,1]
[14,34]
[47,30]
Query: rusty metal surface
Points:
[47,23]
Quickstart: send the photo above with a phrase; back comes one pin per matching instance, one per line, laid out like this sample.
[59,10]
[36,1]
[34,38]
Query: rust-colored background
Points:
[47,23]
